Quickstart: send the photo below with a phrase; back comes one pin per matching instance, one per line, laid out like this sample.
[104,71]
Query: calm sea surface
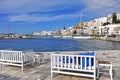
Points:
[58,44]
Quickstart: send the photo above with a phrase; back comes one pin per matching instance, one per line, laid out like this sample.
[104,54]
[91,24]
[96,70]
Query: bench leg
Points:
[94,76]
[110,71]
[22,67]
[51,74]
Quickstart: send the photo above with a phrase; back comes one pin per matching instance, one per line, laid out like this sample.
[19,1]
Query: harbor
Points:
[59,40]
[42,71]
[51,44]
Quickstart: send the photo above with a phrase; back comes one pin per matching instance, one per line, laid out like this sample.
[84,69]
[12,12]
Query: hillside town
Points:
[108,26]
[104,26]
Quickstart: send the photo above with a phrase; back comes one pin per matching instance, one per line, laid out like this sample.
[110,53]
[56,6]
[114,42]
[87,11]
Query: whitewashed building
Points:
[100,21]
[47,33]
[36,33]
[109,29]
[112,29]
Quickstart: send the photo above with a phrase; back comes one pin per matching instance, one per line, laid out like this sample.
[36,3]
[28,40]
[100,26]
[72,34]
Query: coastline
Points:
[114,39]
[14,38]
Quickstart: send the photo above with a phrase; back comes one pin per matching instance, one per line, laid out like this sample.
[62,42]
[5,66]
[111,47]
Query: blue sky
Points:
[27,16]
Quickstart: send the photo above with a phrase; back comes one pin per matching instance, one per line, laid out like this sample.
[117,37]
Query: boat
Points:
[67,36]
[82,37]
[57,36]
[85,36]
[77,37]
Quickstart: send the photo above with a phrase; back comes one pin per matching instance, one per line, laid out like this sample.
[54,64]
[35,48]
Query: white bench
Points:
[16,58]
[73,65]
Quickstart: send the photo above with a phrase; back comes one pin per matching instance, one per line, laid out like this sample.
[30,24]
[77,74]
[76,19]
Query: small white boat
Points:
[82,37]
[57,36]
[67,36]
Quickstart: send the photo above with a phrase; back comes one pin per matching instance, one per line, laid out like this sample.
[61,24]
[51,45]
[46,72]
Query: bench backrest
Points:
[15,56]
[28,56]
[73,62]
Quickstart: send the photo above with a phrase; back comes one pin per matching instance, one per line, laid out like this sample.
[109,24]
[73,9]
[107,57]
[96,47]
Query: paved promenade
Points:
[42,71]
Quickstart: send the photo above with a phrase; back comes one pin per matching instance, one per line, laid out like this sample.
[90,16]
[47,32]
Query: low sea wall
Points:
[115,39]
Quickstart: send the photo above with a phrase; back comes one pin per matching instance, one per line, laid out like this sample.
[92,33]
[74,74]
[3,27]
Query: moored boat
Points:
[57,36]
[67,36]
[82,37]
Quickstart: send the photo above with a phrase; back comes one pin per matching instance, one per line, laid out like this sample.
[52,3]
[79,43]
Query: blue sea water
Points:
[58,44]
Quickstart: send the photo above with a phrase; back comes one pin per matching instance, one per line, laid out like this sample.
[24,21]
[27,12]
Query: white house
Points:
[109,29]
[36,33]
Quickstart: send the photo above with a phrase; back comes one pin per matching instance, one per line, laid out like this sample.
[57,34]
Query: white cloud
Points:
[40,18]
[102,7]
[20,9]
[26,6]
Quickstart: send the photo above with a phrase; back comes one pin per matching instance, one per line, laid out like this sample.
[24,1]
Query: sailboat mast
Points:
[80,16]
[8,31]
[57,31]
[81,22]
